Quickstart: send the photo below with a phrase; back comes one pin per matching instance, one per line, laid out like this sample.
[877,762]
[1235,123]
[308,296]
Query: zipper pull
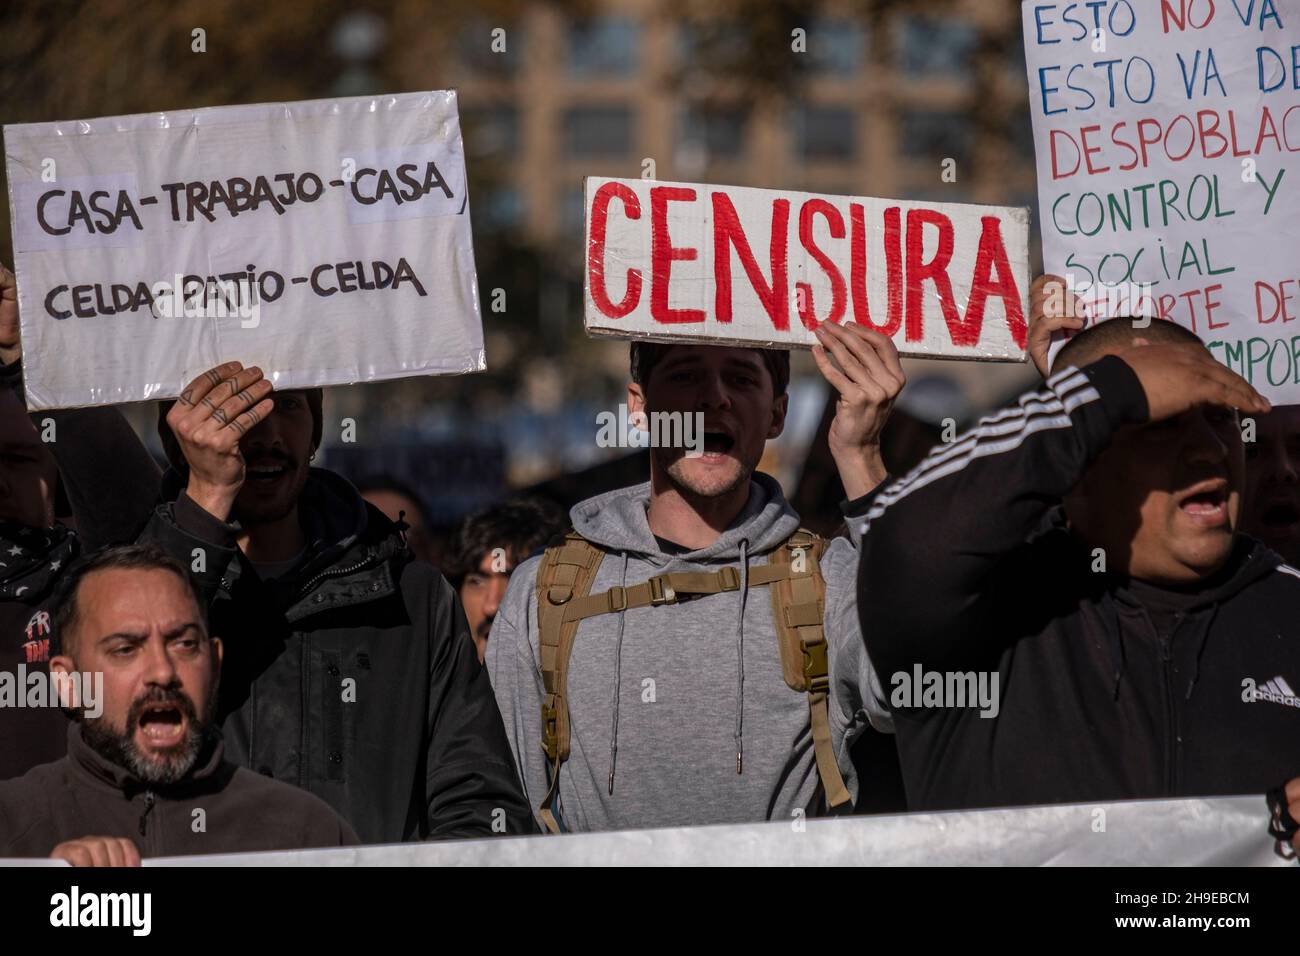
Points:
[148,808]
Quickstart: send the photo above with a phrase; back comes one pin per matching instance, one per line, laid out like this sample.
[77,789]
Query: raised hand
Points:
[1177,378]
[1052,306]
[868,376]
[209,418]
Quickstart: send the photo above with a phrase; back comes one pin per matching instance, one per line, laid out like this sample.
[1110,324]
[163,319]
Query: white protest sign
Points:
[1165,130]
[327,242]
[734,265]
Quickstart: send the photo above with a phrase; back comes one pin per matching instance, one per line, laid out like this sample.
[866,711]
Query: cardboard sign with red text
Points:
[736,265]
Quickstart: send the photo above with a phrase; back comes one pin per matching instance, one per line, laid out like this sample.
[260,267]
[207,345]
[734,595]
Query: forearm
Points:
[861,471]
[934,540]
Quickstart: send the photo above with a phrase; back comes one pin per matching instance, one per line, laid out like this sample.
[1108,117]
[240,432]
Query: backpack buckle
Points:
[617,599]
[661,590]
[815,665]
[729,579]
[550,727]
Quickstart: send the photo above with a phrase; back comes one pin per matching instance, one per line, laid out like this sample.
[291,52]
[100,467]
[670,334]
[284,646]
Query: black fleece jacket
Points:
[85,794]
[353,676]
[967,566]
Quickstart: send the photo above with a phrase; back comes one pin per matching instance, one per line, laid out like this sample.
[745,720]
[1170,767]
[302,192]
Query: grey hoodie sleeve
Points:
[858,698]
[515,672]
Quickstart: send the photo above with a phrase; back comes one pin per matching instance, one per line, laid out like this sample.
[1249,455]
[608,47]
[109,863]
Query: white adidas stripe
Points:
[1077,392]
[1271,687]
[982,450]
[949,461]
[1284,687]
[1287,569]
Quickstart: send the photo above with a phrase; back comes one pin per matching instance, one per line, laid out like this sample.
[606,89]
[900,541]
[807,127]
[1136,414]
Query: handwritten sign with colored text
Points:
[1167,134]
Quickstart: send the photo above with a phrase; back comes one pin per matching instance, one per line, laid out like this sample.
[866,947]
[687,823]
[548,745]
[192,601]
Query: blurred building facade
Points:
[866,97]
[871,101]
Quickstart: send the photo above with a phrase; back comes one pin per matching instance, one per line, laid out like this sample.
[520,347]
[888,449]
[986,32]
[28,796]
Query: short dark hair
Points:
[1087,346]
[522,526]
[383,481]
[644,356]
[130,557]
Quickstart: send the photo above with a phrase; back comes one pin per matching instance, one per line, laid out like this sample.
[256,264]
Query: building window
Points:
[491,130]
[933,136]
[597,131]
[481,49]
[716,46]
[825,133]
[933,46]
[605,46]
[573,211]
[712,132]
[836,46]
[502,209]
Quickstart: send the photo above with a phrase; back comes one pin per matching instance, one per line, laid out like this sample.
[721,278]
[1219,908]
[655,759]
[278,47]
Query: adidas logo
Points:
[1278,691]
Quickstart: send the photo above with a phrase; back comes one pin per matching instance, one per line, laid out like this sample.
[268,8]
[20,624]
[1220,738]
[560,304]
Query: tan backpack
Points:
[565,576]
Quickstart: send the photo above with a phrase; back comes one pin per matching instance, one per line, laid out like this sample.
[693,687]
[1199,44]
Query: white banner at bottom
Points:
[1219,831]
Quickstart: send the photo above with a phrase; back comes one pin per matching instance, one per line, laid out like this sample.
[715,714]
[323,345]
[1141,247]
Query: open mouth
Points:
[717,443]
[265,472]
[162,724]
[1207,503]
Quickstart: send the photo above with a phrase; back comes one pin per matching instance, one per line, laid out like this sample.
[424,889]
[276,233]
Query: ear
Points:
[779,409]
[635,397]
[218,652]
[62,667]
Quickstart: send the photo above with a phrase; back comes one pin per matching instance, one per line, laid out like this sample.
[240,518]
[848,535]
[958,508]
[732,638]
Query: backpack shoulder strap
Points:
[798,609]
[565,573]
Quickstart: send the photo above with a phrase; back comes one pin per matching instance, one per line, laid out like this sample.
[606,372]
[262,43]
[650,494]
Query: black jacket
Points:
[85,794]
[109,506]
[967,566]
[354,676]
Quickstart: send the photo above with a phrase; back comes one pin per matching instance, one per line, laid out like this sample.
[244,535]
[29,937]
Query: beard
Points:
[679,472]
[161,768]
[257,504]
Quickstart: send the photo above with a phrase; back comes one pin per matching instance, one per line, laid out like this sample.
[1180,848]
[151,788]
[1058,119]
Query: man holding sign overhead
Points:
[329,240]
[349,667]
[686,704]
[689,655]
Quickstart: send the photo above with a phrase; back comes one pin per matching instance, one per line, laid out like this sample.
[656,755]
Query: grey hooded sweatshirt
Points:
[663,699]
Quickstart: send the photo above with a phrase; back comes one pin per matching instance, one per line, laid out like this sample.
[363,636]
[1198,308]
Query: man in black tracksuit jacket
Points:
[1141,648]
[349,669]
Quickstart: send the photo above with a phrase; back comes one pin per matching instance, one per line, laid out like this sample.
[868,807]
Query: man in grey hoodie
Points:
[679,713]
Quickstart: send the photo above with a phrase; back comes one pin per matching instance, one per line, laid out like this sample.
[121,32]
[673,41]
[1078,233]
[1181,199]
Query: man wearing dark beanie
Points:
[349,668]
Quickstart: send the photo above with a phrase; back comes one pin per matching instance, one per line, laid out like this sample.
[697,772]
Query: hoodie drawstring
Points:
[740,655]
[618,674]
